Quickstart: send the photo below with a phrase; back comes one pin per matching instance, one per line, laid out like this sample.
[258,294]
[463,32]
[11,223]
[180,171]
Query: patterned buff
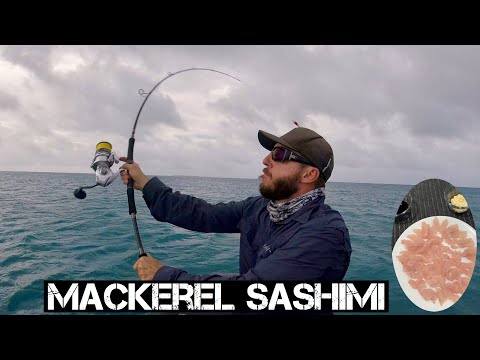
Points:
[279,212]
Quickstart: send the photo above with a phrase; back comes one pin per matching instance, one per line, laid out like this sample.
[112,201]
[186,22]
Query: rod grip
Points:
[131,143]
[132,209]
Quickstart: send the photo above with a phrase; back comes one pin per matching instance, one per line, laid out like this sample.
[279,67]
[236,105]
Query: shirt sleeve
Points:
[310,255]
[189,212]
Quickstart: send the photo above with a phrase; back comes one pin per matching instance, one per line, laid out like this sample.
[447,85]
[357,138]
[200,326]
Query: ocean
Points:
[48,234]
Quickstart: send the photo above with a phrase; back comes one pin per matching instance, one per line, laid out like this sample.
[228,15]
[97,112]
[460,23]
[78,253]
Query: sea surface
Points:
[48,234]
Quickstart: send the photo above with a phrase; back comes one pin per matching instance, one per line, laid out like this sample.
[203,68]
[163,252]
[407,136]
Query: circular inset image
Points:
[434,260]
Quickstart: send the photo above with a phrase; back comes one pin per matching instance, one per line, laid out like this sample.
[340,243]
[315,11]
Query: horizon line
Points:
[218,177]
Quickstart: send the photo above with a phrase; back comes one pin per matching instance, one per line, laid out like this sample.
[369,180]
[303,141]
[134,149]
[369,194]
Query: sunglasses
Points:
[281,154]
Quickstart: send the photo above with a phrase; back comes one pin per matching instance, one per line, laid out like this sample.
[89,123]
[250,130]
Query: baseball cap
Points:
[306,143]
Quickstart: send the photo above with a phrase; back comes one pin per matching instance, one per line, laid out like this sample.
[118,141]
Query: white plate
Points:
[403,278]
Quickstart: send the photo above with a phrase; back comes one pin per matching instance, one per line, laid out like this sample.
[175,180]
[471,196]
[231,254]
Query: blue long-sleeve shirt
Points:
[313,244]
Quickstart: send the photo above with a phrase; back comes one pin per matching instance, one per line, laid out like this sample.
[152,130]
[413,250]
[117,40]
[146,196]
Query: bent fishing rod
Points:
[131,142]
[104,159]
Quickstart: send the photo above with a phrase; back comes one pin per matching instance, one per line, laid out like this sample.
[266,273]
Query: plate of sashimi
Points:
[434,260]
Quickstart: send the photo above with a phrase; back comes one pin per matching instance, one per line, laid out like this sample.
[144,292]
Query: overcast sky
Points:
[393,114]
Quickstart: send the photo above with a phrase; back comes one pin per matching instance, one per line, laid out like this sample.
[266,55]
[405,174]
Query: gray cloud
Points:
[8,101]
[34,58]
[393,113]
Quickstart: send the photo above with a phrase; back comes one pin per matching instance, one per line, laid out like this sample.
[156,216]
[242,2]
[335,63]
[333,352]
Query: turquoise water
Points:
[48,234]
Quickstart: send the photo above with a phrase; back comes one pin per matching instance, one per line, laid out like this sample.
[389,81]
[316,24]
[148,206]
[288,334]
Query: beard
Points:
[281,188]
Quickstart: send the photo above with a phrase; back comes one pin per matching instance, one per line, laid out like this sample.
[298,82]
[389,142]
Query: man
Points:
[288,233]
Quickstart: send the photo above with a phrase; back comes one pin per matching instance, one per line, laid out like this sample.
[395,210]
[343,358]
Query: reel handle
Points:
[80,193]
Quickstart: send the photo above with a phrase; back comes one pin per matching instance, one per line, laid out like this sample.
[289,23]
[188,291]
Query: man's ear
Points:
[310,174]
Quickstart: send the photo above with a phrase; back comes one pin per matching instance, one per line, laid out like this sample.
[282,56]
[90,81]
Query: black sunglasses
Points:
[281,154]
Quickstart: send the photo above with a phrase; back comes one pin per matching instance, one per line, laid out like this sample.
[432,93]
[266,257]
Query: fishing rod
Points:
[131,142]
[106,159]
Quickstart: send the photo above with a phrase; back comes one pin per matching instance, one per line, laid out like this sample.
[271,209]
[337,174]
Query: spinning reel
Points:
[102,162]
